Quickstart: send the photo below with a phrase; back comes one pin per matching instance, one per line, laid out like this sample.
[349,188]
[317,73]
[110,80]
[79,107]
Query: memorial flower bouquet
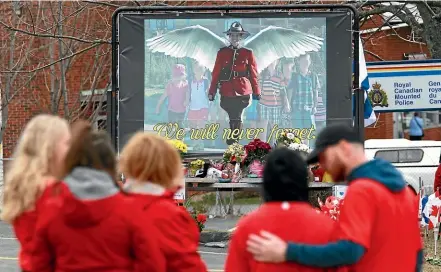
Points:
[285,138]
[256,150]
[234,153]
[331,207]
[195,166]
[255,153]
[180,146]
[300,147]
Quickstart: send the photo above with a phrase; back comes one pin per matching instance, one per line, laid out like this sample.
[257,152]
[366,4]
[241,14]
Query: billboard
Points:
[405,85]
[211,79]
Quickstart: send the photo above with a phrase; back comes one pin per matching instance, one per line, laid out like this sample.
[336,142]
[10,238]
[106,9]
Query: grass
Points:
[431,264]
[202,203]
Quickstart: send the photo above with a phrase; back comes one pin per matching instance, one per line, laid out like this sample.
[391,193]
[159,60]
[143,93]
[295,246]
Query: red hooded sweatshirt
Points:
[291,221]
[437,182]
[86,224]
[24,227]
[178,233]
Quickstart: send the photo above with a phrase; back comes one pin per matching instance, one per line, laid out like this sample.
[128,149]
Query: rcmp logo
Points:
[377,96]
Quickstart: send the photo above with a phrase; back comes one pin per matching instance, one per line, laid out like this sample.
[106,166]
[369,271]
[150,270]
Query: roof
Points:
[395,21]
[401,143]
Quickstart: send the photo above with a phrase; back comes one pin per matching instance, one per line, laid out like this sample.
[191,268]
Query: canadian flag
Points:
[432,210]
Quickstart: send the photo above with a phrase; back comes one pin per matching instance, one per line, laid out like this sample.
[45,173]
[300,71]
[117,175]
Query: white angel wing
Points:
[195,42]
[273,43]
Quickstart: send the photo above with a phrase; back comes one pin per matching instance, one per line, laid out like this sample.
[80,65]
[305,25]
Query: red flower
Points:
[202,218]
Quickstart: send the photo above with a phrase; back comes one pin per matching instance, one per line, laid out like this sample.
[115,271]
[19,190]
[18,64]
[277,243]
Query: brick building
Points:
[390,44]
[35,96]
[32,83]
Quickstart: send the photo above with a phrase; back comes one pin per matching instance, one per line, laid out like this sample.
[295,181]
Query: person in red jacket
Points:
[85,223]
[235,74]
[36,160]
[153,169]
[286,212]
[379,216]
[437,181]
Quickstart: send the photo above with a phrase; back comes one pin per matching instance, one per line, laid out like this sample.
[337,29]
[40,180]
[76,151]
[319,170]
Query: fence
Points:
[417,176]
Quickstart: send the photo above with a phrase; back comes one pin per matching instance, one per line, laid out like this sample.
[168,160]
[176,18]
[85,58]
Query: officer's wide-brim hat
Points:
[236,28]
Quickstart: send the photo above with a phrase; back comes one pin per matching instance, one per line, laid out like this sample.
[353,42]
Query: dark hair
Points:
[416,113]
[285,177]
[90,148]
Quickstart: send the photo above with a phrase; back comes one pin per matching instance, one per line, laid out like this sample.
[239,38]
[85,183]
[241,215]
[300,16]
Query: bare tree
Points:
[53,49]
[423,18]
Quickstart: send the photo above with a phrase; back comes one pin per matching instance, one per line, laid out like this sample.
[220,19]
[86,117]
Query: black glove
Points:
[256,96]
[211,97]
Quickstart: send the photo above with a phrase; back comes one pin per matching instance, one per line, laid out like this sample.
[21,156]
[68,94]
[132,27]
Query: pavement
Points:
[213,257]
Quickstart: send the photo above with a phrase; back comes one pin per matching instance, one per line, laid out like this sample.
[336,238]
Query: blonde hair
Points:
[149,157]
[32,163]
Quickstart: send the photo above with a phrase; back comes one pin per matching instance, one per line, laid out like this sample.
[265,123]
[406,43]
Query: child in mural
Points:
[177,93]
[198,105]
[287,70]
[320,115]
[303,94]
[273,101]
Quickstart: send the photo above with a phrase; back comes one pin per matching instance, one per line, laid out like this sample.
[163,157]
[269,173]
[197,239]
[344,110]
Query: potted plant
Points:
[256,151]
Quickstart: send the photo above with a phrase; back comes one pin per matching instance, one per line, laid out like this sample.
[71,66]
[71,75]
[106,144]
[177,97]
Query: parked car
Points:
[417,160]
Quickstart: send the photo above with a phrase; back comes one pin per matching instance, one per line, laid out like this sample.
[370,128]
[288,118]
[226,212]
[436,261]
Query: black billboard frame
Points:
[112,95]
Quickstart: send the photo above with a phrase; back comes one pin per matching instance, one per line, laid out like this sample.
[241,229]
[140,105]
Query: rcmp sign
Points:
[405,85]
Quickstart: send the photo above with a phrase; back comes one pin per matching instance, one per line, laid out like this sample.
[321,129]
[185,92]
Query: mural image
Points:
[212,87]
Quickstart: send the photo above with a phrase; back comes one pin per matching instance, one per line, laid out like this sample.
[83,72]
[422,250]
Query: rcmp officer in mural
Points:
[235,75]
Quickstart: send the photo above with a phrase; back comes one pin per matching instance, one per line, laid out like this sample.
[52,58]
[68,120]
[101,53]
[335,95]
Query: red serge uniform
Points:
[103,234]
[243,80]
[177,232]
[297,222]
[235,72]
[384,223]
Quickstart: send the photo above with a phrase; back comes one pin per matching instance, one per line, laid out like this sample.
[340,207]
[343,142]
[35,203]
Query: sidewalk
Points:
[218,230]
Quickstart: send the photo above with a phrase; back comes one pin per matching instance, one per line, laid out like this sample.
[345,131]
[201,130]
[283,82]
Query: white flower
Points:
[294,146]
[290,135]
[299,147]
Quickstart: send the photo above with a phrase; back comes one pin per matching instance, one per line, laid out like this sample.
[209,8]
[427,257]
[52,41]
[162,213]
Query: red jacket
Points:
[437,182]
[87,225]
[298,222]
[243,79]
[24,227]
[178,233]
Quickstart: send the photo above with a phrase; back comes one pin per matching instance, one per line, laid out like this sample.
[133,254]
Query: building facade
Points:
[82,81]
